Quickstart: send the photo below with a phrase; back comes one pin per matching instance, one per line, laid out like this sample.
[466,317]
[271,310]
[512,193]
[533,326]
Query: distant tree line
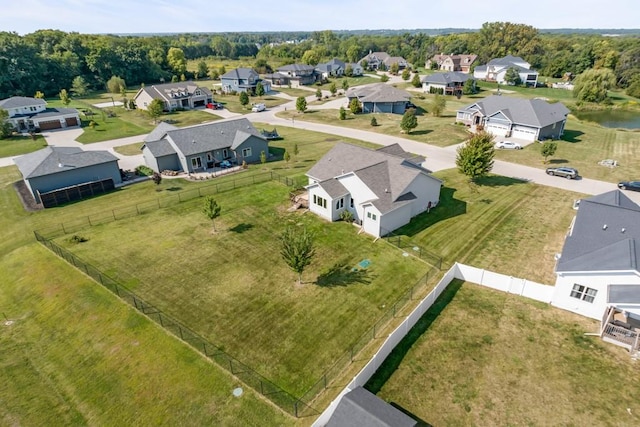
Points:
[50,60]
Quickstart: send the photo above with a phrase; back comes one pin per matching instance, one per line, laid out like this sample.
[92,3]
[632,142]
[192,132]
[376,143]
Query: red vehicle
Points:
[214,106]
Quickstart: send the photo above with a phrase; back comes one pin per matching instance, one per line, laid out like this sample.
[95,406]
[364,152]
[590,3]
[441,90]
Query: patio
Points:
[621,328]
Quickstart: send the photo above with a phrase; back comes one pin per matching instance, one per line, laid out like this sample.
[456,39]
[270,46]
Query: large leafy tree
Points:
[155,109]
[176,60]
[116,84]
[6,128]
[297,249]
[497,39]
[475,158]
[592,85]
[409,121]
[512,76]
[438,104]
[203,70]
[79,87]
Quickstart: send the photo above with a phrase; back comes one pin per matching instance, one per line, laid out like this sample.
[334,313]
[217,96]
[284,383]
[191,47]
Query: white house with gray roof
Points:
[600,262]
[496,69]
[383,189]
[379,98]
[28,114]
[182,95]
[201,147]
[527,119]
[65,168]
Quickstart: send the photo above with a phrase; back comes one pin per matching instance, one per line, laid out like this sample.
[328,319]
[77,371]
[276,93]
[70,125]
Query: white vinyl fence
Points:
[478,276]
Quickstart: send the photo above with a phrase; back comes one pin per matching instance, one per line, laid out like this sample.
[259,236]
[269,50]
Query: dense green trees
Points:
[592,85]
[475,157]
[50,60]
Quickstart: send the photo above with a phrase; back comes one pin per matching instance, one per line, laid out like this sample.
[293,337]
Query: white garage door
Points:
[525,133]
[497,130]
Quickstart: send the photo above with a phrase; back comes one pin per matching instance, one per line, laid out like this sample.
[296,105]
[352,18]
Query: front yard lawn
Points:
[232,286]
[232,102]
[484,357]
[17,145]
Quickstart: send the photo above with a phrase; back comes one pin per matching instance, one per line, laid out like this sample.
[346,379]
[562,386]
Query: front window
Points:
[196,162]
[583,293]
[246,152]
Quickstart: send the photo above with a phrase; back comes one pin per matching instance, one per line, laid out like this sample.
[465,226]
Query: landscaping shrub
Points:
[143,170]
[75,239]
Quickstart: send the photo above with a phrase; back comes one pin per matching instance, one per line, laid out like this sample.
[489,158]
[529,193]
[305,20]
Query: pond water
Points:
[612,118]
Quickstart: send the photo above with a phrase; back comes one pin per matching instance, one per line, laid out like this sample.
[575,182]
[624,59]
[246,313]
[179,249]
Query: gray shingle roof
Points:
[160,148]
[334,188]
[387,175]
[21,101]
[54,112]
[448,77]
[360,408]
[159,132]
[52,160]
[378,92]
[531,112]
[506,60]
[164,91]
[297,67]
[605,235]
[211,136]
[396,150]
[240,74]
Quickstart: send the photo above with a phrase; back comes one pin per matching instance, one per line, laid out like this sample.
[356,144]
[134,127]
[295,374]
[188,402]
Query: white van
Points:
[258,107]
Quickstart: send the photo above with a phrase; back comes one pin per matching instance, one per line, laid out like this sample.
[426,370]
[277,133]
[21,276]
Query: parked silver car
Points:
[563,171]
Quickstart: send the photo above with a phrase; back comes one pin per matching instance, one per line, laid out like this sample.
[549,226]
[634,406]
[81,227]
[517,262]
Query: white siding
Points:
[600,281]
[395,219]
[426,189]
[358,190]
[321,211]
[143,100]
[371,220]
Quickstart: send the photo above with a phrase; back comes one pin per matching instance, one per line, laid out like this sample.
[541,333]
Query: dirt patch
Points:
[28,202]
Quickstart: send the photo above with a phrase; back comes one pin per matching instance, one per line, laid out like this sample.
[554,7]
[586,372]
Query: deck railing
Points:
[621,336]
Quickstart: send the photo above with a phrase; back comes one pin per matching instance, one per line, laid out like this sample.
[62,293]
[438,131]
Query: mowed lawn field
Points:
[502,224]
[232,286]
[484,357]
[73,354]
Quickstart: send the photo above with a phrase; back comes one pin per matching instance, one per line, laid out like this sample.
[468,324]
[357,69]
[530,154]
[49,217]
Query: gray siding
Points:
[257,145]
[68,178]
[149,159]
[384,107]
[549,131]
[168,163]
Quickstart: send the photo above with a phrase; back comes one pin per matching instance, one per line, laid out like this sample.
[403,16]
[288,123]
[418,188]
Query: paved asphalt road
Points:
[437,158]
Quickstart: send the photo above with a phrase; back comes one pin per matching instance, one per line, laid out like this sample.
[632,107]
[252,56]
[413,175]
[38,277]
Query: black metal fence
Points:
[75,192]
[405,243]
[297,406]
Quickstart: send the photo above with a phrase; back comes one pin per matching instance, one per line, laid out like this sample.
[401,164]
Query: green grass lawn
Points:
[129,149]
[503,224]
[351,81]
[232,102]
[484,357]
[17,145]
[75,355]
[232,287]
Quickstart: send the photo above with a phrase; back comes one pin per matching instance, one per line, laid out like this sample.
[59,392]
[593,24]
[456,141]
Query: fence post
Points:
[325,380]
[231,365]
[137,210]
[63,230]
[89,219]
[199,193]
[158,200]
[117,289]
[160,318]
[180,330]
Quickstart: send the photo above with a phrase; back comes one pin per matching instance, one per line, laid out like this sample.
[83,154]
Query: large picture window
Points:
[317,200]
[583,293]
[246,152]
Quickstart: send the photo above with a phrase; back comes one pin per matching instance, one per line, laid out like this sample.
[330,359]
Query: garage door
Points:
[497,130]
[72,121]
[527,134]
[53,124]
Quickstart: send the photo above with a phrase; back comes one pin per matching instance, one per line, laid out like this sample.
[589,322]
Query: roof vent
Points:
[623,230]
[386,190]
[193,141]
[60,165]
[604,227]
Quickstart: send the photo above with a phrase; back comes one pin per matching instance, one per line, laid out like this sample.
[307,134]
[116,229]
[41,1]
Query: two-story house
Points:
[243,80]
[442,62]
[382,60]
[29,114]
[294,75]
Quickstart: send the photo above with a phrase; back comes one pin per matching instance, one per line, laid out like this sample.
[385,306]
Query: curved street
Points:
[437,158]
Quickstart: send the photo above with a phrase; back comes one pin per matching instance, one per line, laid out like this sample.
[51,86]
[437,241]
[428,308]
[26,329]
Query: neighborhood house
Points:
[527,119]
[383,61]
[183,95]
[201,147]
[243,80]
[30,114]
[450,83]
[382,189]
[452,62]
[379,98]
[496,70]
[56,175]
[337,68]
[294,75]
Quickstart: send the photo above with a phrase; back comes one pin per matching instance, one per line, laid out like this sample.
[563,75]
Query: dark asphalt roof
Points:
[605,235]
[240,74]
[52,160]
[20,101]
[378,92]
[159,148]
[361,408]
[447,77]
[532,112]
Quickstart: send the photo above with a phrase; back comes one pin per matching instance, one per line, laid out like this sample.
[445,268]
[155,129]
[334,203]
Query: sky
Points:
[189,16]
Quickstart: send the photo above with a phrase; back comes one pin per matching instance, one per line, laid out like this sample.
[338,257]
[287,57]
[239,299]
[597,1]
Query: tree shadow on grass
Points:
[393,361]
[448,207]
[421,132]
[342,274]
[558,161]
[572,136]
[174,188]
[241,228]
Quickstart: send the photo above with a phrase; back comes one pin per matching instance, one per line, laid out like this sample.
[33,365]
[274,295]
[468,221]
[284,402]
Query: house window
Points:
[225,154]
[320,201]
[583,293]
[196,162]
[340,203]
[371,215]
[351,203]
[246,152]
[209,157]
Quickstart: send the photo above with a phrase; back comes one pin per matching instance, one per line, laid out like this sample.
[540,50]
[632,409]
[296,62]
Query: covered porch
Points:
[621,326]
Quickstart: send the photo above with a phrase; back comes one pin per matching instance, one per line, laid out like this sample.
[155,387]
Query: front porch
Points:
[621,329]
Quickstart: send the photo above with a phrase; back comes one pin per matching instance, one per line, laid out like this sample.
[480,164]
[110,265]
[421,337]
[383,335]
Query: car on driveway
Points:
[508,145]
[563,171]
[629,185]
[258,107]
[215,106]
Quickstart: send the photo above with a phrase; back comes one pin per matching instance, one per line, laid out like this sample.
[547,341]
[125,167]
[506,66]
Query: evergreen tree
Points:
[409,121]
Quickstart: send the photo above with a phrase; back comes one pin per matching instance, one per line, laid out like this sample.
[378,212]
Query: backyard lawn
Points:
[232,287]
[17,145]
[484,357]
[75,355]
[503,224]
